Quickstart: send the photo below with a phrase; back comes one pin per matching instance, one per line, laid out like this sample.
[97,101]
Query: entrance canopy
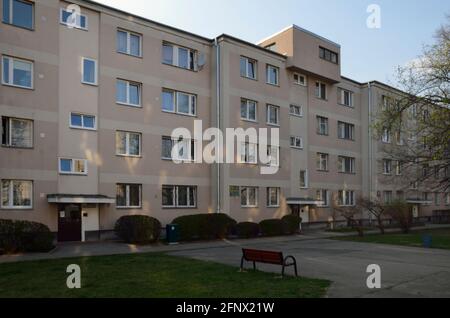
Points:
[80,198]
[418,201]
[303,201]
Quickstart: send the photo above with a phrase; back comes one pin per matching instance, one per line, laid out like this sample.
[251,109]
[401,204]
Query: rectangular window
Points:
[89,75]
[346,164]
[82,121]
[248,67]
[129,43]
[388,197]
[345,97]
[179,56]
[322,161]
[346,131]
[19,13]
[299,79]
[328,55]
[322,126]
[16,194]
[346,198]
[248,153]
[386,137]
[273,115]
[296,142]
[184,150]
[73,19]
[398,168]
[17,133]
[437,199]
[179,196]
[387,166]
[248,109]
[322,196]
[179,102]
[128,144]
[447,199]
[321,90]
[273,197]
[249,197]
[129,196]
[272,75]
[273,153]
[17,72]
[73,166]
[128,93]
[295,110]
[304,184]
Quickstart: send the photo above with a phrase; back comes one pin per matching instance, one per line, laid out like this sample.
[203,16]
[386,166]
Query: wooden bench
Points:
[268,257]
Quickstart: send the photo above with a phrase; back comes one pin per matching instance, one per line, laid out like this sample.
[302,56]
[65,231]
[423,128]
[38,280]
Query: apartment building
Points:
[89,100]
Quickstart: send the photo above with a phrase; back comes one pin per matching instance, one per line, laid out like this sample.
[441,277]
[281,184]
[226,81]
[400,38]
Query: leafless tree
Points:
[376,208]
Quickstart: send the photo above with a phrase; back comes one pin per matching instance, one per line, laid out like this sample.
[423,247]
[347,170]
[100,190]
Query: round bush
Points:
[204,226]
[138,229]
[272,227]
[247,230]
[291,223]
[25,236]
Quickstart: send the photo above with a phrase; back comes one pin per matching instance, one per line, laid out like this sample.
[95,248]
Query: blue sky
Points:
[367,54]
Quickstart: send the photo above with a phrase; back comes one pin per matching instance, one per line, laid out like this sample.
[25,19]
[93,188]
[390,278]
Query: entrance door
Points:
[69,223]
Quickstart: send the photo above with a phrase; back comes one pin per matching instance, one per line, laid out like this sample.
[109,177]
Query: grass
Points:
[149,276]
[440,237]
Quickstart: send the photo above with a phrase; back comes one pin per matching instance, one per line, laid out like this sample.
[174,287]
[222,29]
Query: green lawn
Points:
[441,238]
[149,275]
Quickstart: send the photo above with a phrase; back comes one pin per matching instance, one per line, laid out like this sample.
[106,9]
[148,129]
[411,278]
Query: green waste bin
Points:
[172,233]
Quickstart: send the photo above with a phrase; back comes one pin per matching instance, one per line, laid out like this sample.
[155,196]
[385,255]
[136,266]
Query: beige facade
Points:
[98,97]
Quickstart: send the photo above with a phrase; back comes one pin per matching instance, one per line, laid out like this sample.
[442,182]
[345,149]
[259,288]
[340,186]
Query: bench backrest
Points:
[267,257]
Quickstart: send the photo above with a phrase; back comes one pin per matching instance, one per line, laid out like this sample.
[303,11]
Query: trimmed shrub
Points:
[204,226]
[138,229]
[272,227]
[25,236]
[291,223]
[247,230]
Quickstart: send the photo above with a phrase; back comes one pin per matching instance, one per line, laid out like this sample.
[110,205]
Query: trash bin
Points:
[172,233]
[427,241]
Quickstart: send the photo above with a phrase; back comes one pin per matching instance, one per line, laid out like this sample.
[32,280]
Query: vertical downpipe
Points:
[370,153]
[216,44]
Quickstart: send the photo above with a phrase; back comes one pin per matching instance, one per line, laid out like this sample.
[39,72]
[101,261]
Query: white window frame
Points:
[127,96]
[127,144]
[388,197]
[11,71]
[347,198]
[342,92]
[95,69]
[270,67]
[269,203]
[322,161]
[248,205]
[72,166]
[175,191]
[10,119]
[269,108]
[306,181]
[192,102]
[127,196]
[274,160]
[247,105]
[387,167]
[323,122]
[248,153]
[318,90]
[342,128]
[300,110]
[77,20]
[398,168]
[129,33]
[293,142]
[386,137]
[325,199]
[11,15]
[188,144]
[249,61]
[447,198]
[299,81]
[11,205]
[342,164]
[192,54]
[83,127]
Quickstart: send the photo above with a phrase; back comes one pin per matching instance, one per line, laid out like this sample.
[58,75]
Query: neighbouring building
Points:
[88,103]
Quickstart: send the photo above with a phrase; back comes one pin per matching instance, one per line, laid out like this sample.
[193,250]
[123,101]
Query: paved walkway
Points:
[406,271]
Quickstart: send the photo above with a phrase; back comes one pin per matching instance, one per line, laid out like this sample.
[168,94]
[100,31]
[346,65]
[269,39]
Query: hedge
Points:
[247,230]
[25,236]
[272,227]
[138,229]
[204,226]
[291,223]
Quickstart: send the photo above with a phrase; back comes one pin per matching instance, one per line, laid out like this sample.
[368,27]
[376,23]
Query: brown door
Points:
[295,208]
[69,223]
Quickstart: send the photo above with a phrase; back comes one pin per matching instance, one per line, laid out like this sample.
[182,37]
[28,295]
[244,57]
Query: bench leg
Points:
[295,267]
[254,266]
[242,263]
[282,270]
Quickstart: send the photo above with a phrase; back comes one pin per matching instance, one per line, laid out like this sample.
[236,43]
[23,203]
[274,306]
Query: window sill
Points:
[129,207]
[326,171]
[128,105]
[179,208]
[16,208]
[129,156]
[273,206]
[181,161]
[299,84]
[322,99]
[128,54]
[274,125]
[296,148]
[274,85]
[177,113]
[249,121]
[19,26]
[82,128]
[74,27]
[18,86]
[180,67]
[346,139]
[295,115]
[348,106]
[249,206]
[90,84]
[250,78]
[74,174]
[18,148]
[349,173]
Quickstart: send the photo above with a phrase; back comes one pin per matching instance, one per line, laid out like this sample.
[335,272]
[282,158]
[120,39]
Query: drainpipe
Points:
[217,47]
[370,153]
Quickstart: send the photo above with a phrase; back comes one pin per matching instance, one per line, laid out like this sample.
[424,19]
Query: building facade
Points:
[89,101]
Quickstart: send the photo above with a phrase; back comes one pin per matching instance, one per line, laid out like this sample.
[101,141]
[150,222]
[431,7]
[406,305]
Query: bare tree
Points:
[419,114]
[376,208]
[400,211]
[349,213]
